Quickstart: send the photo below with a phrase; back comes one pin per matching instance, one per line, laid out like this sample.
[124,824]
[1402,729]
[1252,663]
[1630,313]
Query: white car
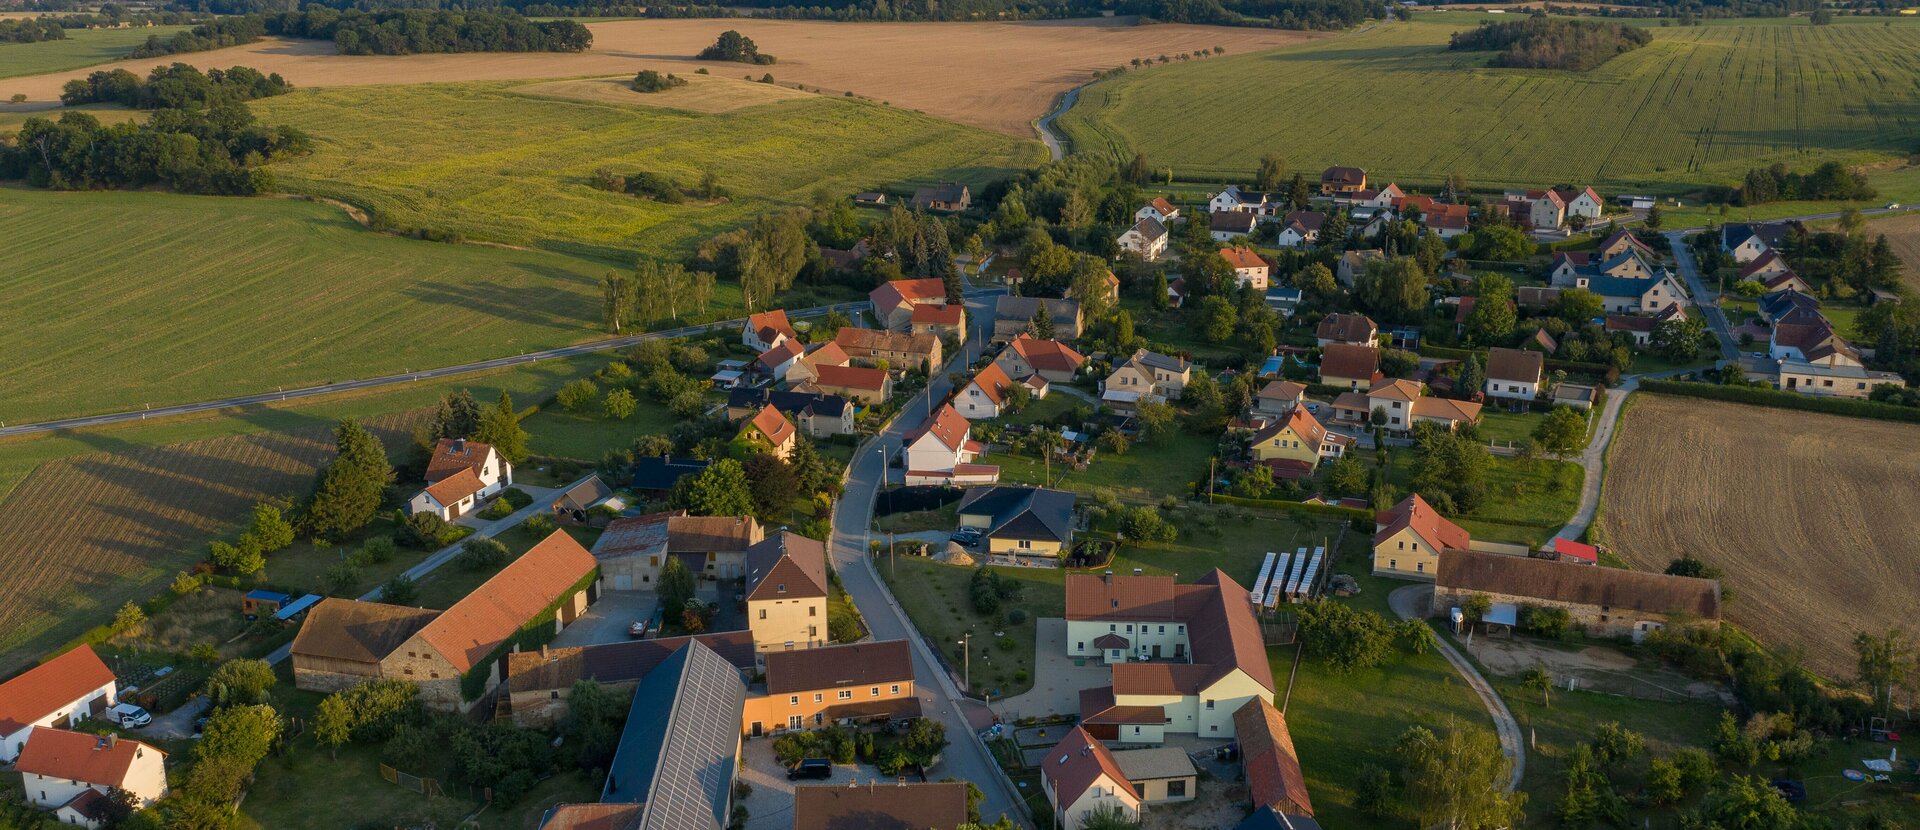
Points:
[129,716]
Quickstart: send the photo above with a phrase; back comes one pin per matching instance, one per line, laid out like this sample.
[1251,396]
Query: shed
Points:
[258,602]
[294,609]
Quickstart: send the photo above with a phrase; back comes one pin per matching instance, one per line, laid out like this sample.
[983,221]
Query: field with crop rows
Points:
[193,298]
[81,47]
[81,536]
[1801,510]
[1699,104]
[489,163]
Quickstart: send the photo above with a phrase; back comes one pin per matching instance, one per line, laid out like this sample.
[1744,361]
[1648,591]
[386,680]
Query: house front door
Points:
[1156,652]
[1179,651]
[756,729]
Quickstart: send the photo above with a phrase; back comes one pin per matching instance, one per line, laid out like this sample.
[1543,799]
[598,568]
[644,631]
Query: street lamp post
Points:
[966,662]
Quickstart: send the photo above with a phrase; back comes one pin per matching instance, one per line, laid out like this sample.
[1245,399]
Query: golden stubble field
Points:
[1808,515]
[1000,76]
[1903,233]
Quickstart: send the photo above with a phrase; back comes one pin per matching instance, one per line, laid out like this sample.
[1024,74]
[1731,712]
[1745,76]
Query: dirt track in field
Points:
[80,536]
[1807,514]
[999,76]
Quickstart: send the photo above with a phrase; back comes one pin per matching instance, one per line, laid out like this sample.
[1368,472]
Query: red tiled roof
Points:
[1047,355]
[1097,706]
[47,688]
[1218,615]
[851,377]
[894,293]
[1415,512]
[451,455]
[788,349]
[1165,207]
[78,756]
[455,487]
[828,355]
[770,322]
[466,633]
[948,426]
[1301,422]
[993,382]
[774,426]
[1271,763]
[939,314]
[1345,360]
[1629,322]
[1077,762]
[1241,256]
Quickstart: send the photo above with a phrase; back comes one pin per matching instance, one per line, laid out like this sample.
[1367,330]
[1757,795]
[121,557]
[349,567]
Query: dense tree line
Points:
[31,30]
[1542,42]
[1286,14]
[213,34]
[37,29]
[420,31]
[1831,180]
[218,151]
[173,87]
[1279,14]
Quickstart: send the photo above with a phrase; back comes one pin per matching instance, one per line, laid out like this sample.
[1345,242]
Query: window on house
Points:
[817,698]
[813,610]
[793,700]
[875,692]
[781,588]
[763,613]
[894,689]
[1176,789]
[846,694]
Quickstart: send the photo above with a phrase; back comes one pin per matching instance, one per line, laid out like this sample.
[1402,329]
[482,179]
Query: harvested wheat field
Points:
[1804,512]
[995,75]
[83,535]
[1903,233]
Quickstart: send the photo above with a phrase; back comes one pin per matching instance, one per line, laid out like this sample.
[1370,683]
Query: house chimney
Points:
[1107,577]
[112,741]
[543,652]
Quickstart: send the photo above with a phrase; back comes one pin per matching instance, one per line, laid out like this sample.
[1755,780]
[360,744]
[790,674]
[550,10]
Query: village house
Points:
[767,329]
[1445,221]
[1354,263]
[1081,778]
[1020,522]
[1354,367]
[1279,397]
[1159,210]
[1586,204]
[1234,200]
[1109,288]
[881,806]
[1540,209]
[1775,305]
[1145,377]
[808,366]
[772,429]
[460,475]
[1147,239]
[940,451]
[894,300]
[985,394]
[655,476]
[1606,602]
[833,685]
[1293,446]
[1226,226]
[786,591]
[1380,199]
[1813,359]
[1641,327]
[821,414]
[1409,537]
[898,350]
[631,550]
[1405,404]
[1514,375]
[947,322]
[778,362]
[1747,242]
[1013,316]
[1352,329]
[1299,228]
[540,682]
[1183,658]
[1574,269]
[1050,359]
[1268,761]
[347,642]
[1764,267]
[59,693]
[73,773]
[713,547]
[1342,181]
[855,383]
[948,197]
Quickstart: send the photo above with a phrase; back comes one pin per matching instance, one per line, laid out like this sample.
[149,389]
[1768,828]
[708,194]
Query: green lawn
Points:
[1527,501]
[81,47]
[588,434]
[1146,473]
[1045,410]
[1501,426]
[461,158]
[1700,104]
[946,517]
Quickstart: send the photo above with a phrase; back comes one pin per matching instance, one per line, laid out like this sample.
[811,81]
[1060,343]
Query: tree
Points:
[1144,524]
[458,416]
[1215,319]
[1042,323]
[482,553]
[242,682]
[619,299]
[676,587]
[1537,679]
[1392,289]
[1346,476]
[1589,798]
[1562,432]
[1255,483]
[129,618]
[269,531]
[242,559]
[1451,471]
[1689,566]
[772,484]
[1108,817]
[1615,745]
[1458,778]
[1679,339]
[1345,637]
[733,46]
[351,487]
[400,590]
[620,404]
[500,428]
[1492,317]
[1744,803]
[1884,663]
[1472,377]
[1273,171]
[576,394]
[242,734]
[720,490]
[1159,289]
[1156,421]
[1654,218]
[1578,306]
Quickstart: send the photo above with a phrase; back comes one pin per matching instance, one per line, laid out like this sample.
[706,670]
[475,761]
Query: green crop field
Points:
[490,163]
[1699,105]
[192,298]
[81,47]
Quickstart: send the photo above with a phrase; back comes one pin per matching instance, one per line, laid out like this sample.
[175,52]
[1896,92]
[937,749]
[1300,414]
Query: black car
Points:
[818,769]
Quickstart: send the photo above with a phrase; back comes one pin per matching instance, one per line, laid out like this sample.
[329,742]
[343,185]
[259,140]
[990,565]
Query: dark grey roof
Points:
[1235,221]
[691,702]
[660,473]
[829,406]
[1778,303]
[1022,512]
[746,397]
[585,494]
[1022,308]
[1161,361]
[1267,818]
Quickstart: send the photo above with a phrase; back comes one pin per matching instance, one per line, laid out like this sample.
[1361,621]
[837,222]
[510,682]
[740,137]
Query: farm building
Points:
[59,693]
[539,682]
[876,806]
[852,683]
[1267,757]
[573,504]
[1607,602]
[900,350]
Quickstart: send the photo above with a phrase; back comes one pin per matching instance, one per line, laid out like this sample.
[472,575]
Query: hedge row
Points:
[1784,400]
[1349,513]
[535,632]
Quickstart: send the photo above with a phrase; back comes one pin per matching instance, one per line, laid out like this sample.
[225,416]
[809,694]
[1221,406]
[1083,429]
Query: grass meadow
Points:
[81,47]
[487,162]
[1700,104]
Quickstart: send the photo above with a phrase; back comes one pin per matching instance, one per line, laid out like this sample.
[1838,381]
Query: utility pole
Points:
[966,657]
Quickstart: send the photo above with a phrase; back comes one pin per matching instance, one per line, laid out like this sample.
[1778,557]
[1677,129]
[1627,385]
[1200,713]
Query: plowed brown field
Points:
[1807,514]
[81,536]
[999,76]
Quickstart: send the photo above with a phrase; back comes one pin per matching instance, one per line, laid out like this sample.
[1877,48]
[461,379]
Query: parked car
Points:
[637,629]
[819,769]
[967,535]
[129,715]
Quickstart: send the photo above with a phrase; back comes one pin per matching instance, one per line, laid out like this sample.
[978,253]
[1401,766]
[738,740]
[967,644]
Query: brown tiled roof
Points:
[1077,762]
[834,667]
[857,341]
[78,756]
[621,662]
[1215,609]
[1346,328]
[1535,295]
[771,359]
[1763,262]
[1396,389]
[359,632]
[1267,754]
[455,487]
[851,377]
[1047,355]
[993,381]
[768,323]
[1165,207]
[451,455]
[1301,422]
[947,425]
[1307,220]
[1514,364]
[1283,390]
[1629,322]
[939,314]
[827,355]
[1096,597]
[1345,360]
[51,686]
[1343,175]
[786,566]
[1414,511]
[772,425]
[711,534]
[1241,256]
[894,293]
[1447,408]
[1445,217]
[1097,707]
[466,633]
[594,817]
[1545,579]
[939,805]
